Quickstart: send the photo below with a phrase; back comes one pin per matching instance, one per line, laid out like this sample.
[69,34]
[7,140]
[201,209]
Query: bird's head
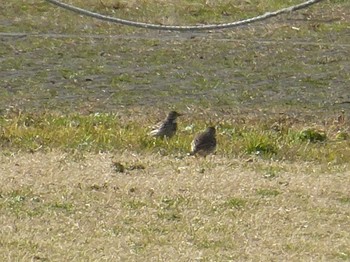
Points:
[211,130]
[173,115]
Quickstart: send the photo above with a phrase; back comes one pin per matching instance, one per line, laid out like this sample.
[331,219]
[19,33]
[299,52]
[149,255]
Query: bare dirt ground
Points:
[297,62]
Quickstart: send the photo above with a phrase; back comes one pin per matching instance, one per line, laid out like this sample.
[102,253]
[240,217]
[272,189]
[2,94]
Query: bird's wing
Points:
[155,128]
[204,141]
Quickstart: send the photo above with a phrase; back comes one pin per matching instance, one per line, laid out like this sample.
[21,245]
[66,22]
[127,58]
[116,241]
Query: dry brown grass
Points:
[64,207]
[59,206]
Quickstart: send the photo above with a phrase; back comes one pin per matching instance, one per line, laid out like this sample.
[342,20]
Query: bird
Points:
[166,128]
[204,143]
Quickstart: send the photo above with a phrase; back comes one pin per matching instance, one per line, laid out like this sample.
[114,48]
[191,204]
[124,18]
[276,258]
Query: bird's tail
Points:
[192,153]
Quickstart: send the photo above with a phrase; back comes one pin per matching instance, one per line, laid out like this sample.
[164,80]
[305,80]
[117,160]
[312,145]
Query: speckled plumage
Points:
[204,143]
[166,128]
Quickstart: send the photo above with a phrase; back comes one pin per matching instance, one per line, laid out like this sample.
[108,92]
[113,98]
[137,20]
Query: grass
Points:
[256,67]
[101,132]
[89,211]
[82,180]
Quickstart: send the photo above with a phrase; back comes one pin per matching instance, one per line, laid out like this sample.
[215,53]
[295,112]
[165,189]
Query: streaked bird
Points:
[204,143]
[167,128]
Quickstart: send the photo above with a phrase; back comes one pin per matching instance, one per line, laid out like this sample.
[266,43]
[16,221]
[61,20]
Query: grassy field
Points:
[81,180]
[55,208]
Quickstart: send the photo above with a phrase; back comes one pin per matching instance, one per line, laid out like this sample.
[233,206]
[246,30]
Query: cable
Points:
[184,28]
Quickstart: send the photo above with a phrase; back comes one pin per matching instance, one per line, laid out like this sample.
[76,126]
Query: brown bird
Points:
[166,128]
[204,143]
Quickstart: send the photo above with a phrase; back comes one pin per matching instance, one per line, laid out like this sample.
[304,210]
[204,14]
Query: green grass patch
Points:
[312,135]
[264,192]
[344,200]
[104,132]
[236,203]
